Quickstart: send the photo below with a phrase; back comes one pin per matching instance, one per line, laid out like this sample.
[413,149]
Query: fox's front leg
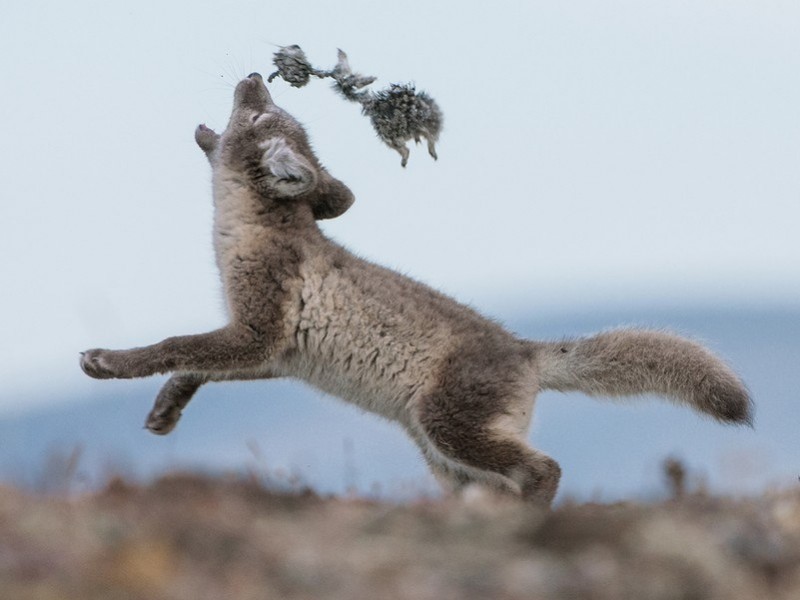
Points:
[171,400]
[231,348]
[179,390]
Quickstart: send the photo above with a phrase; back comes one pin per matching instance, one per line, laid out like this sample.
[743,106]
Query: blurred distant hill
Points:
[608,450]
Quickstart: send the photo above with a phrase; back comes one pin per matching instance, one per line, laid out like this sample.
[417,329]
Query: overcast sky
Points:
[594,153]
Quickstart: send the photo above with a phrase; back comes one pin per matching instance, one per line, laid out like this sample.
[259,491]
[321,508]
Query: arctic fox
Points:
[302,306]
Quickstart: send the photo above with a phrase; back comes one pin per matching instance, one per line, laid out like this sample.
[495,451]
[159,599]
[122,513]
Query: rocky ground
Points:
[200,537]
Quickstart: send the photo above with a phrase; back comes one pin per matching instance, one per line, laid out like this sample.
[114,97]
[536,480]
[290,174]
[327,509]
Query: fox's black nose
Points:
[254,76]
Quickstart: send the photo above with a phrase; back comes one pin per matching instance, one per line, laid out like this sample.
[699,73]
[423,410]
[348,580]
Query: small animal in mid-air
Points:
[300,305]
[399,113]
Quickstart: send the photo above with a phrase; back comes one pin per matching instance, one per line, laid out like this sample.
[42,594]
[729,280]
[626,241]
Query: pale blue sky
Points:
[594,153]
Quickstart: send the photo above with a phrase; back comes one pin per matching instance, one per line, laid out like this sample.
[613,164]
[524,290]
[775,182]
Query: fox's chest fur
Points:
[352,338]
[237,230]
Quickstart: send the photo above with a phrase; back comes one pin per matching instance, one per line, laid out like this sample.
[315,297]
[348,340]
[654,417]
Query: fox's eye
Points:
[255,117]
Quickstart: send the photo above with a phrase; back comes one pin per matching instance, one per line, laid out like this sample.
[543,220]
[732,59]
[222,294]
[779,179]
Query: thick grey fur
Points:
[302,306]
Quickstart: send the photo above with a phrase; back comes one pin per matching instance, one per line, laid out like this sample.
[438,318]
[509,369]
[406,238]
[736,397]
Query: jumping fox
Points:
[302,306]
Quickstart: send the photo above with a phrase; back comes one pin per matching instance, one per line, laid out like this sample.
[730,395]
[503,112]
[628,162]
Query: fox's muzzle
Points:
[252,93]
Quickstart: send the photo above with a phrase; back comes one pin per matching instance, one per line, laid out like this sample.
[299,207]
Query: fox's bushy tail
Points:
[626,362]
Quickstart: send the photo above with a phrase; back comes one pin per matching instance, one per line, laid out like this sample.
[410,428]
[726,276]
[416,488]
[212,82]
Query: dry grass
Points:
[198,537]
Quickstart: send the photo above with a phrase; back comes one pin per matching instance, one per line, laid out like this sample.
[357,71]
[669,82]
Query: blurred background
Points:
[602,164]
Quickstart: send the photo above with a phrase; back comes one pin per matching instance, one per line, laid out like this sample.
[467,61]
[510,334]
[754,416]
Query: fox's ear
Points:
[291,173]
[206,138]
[332,198]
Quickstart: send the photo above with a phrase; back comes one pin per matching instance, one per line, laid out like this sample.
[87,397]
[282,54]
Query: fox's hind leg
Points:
[463,450]
[507,466]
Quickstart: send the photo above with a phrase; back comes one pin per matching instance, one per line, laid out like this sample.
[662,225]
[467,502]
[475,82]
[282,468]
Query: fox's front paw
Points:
[163,418]
[99,364]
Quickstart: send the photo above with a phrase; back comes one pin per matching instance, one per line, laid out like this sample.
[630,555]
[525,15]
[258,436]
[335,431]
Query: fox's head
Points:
[265,149]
